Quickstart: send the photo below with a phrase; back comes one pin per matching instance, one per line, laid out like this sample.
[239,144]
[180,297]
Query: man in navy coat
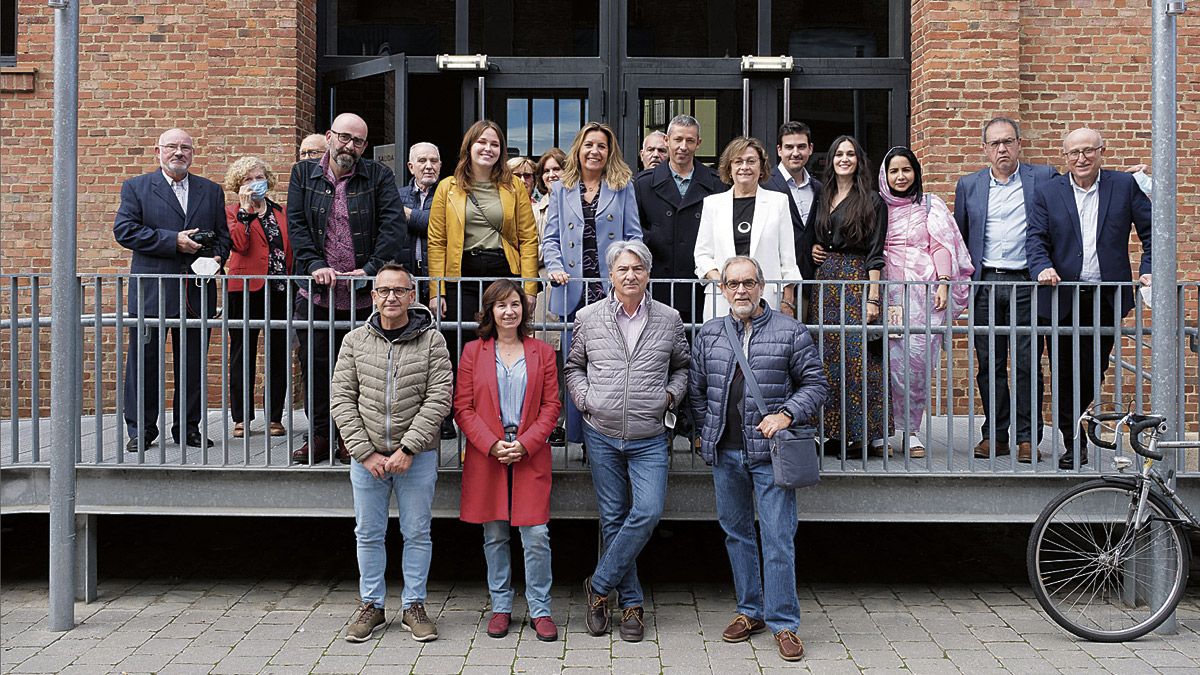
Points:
[793,179]
[159,214]
[991,207]
[1079,231]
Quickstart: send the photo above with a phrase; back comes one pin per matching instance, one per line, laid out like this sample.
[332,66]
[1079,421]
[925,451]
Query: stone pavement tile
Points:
[495,657]
[157,645]
[727,666]
[1126,666]
[186,631]
[924,613]
[978,619]
[239,665]
[918,650]
[673,598]
[233,622]
[1027,666]
[967,605]
[875,658]
[124,638]
[184,669]
[104,656]
[68,645]
[1058,640]
[1012,650]
[996,634]
[33,637]
[80,669]
[290,617]
[1112,650]
[729,650]
[645,649]
[817,649]
[340,664]
[893,618]
[1076,658]
[436,665]
[272,631]
[864,641]
[958,641]
[1164,658]
[201,654]
[1001,598]
[144,663]
[905,633]
[970,660]
[164,607]
[42,663]
[588,657]
[931,667]
[538,649]
[486,670]
[855,626]
[199,615]
[635,666]
[588,670]
[391,655]
[680,641]
[219,638]
[533,665]
[248,647]
[835,667]
[11,656]
[848,613]
[693,669]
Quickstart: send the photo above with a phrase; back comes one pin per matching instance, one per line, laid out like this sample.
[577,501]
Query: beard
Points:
[742,312]
[345,160]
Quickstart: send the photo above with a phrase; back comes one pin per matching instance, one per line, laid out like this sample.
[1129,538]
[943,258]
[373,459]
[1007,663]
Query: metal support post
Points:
[1164,341]
[64,334]
[85,557]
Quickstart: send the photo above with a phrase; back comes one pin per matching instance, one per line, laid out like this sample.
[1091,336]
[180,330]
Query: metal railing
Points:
[949,426]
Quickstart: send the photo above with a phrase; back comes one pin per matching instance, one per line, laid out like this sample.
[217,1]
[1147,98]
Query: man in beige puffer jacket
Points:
[391,389]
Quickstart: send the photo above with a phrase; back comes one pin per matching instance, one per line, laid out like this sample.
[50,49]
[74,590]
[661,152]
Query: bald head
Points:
[175,151]
[1083,149]
[350,123]
[347,139]
[313,146]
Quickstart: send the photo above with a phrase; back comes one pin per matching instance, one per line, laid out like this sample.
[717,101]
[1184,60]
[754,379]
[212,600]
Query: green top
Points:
[478,232]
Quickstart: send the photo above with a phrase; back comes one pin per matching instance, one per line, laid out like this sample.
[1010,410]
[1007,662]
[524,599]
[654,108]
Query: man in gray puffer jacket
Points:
[735,442]
[627,367]
[391,389]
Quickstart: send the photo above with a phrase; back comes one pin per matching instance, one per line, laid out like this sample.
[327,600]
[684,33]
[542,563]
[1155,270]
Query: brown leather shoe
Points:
[597,610]
[320,451]
[790,646]
[1025,452]
[982,451]
[632,628]
[741,628]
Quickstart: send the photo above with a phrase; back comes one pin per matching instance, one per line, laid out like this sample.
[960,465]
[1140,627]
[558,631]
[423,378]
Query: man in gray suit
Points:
[990,206]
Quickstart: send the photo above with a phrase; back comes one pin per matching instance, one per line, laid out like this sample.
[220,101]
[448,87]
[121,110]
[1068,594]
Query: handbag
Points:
[794,449]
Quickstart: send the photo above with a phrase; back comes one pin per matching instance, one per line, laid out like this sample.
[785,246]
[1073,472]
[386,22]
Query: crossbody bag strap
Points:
[748,374]
[499,230]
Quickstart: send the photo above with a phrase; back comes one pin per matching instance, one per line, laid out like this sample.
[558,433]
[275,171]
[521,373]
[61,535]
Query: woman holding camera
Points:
[258,228]
[506,403]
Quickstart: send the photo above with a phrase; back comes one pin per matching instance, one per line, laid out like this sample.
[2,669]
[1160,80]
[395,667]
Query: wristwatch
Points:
[785,411]
[406,451]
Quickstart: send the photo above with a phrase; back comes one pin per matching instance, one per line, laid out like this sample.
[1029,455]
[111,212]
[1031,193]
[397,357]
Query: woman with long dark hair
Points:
[506,403]
[923,244]
[847,246]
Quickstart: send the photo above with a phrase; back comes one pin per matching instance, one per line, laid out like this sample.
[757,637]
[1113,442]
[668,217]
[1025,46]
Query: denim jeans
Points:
[414,498]
[535,540]
[621,469]
[740,488]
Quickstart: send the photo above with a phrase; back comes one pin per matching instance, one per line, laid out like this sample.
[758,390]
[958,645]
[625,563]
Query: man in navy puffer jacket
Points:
[734,441]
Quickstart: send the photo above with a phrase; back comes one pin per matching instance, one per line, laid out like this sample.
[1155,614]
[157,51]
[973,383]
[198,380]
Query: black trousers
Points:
[1071,365]
[145,367]
[994,358]
[316,346]
[243,351]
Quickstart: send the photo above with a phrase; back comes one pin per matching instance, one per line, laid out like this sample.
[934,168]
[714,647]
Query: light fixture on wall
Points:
[766,64]
[462,62]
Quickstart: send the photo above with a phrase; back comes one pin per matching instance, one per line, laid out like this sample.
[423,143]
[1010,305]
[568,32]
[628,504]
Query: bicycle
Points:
[1108,559]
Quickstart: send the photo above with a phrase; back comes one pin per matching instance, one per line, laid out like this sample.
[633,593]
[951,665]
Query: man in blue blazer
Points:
[159,215]
[1079,231]
[991,208]
[793,179]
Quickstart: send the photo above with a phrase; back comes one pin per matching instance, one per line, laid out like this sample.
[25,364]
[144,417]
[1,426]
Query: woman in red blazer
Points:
[258,227]
[506,404]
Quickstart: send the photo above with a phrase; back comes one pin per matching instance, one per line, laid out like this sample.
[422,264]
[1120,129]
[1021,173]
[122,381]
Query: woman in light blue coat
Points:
[591,207]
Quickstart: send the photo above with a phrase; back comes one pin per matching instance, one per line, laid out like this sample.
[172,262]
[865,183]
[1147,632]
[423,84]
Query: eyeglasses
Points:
[1088,153]
[527,174]
[177,147]
[346,139]
[311,154]
[386,292]
[734,284]
[1006,142]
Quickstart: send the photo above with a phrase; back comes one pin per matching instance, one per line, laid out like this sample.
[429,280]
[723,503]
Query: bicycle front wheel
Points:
[1097,574]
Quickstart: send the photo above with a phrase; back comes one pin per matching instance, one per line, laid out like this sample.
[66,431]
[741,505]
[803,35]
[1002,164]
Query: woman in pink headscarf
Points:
[923,244]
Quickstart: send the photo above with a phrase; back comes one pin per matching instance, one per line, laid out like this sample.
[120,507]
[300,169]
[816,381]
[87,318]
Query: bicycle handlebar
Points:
[1092,421]
[1138,425]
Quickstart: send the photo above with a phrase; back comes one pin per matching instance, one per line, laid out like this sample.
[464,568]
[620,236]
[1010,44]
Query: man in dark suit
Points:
[792,178]
[1079,231]
[991,208]
[669,199]
[160,213]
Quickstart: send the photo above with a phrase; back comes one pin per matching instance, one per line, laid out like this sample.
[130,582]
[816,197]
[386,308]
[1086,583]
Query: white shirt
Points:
[1088,204]
[1004,230]
[802,192]
[180,189]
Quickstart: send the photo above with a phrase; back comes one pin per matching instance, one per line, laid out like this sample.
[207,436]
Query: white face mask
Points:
[205,267]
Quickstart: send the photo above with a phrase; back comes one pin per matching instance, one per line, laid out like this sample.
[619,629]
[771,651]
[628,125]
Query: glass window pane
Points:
[862,113]
[818,28]
[719,113]
[723,28]
[570,121]
[370,27]
[543,125]
[517,130]
[532,27]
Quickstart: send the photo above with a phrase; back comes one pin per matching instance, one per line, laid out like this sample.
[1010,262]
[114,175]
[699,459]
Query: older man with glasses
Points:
[313,147]
[346,220]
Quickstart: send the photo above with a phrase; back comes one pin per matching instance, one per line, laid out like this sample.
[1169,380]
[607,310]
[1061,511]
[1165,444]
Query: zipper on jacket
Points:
[387,401]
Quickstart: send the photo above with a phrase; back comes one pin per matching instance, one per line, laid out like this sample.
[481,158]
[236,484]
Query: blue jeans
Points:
[414,499]
[535,539]
[740,487]
[621,469]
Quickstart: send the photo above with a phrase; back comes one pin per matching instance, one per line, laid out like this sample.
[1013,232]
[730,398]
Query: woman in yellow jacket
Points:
[480,225]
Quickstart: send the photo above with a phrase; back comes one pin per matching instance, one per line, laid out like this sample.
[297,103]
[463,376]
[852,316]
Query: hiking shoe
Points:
[417,622]
[368,620]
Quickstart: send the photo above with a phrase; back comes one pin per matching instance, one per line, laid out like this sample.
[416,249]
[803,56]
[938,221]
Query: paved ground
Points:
[281,627]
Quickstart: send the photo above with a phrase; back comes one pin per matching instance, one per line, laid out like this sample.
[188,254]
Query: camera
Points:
[206,239]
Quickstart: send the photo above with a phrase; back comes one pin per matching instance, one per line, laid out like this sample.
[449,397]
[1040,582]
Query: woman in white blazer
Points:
[747,220]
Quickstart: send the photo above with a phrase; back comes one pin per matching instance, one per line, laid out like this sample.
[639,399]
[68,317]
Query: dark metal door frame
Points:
[397,64]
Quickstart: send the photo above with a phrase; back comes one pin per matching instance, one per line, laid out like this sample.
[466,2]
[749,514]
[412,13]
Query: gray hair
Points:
[683,121]
[1099,138]
[758,273]
[637,248]
[652,134]
[1001,120]
[422,145]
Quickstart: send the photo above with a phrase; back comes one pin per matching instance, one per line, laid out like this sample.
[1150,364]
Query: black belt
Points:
[481,252]
[1001,270]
